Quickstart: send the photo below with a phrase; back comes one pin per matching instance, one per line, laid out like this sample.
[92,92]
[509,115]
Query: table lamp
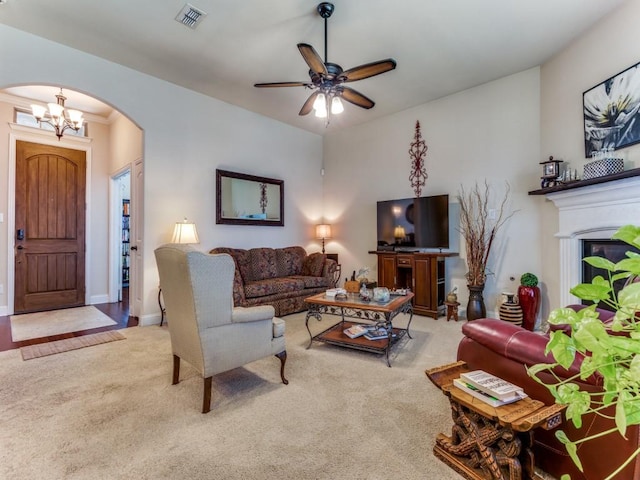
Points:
[185,232]
[323,231]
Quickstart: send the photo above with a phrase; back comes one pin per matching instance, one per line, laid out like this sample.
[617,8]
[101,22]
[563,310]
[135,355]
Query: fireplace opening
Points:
[613,250]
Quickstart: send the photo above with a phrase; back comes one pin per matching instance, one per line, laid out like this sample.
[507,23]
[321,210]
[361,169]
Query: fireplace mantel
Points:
[585,183]
[591,211]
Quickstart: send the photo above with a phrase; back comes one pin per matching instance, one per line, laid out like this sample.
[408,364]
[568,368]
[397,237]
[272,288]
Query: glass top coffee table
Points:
[379,314]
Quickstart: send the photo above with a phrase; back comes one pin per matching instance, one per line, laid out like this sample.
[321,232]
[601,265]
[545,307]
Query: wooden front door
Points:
[50,227]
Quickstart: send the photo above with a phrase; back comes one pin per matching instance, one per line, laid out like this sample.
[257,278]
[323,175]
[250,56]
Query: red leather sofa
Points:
[504,350]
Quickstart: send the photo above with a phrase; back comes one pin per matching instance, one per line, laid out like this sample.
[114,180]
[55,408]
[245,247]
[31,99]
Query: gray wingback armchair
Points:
[206,330]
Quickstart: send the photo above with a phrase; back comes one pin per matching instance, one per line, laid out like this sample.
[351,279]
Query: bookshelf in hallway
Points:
[125,243]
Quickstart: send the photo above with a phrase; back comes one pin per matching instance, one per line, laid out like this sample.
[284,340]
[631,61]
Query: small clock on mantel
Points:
[550,172]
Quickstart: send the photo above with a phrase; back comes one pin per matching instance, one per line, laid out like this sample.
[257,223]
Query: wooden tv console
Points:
[422,273]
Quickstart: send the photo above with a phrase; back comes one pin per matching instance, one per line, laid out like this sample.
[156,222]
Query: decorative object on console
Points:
[417,152]
[611,112]
[323,231]
[479,230]
[607,352]
[510,311]
[185,232]
[59,118]
[529,299]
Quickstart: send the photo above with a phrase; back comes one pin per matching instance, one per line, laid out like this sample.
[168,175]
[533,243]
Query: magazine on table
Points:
[485,397]
[355,331]
[494,386]
[378,333]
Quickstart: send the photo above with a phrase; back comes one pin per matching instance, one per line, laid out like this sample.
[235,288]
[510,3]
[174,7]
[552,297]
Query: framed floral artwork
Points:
[611,119]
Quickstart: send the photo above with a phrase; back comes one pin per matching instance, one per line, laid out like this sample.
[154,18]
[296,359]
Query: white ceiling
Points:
[441,46]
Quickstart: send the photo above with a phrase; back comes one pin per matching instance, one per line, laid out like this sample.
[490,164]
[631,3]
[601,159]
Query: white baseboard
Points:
[98,299]
[4,311]
[150,319]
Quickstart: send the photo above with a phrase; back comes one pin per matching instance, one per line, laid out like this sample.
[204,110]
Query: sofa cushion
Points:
[314,265]
[271,286]
[263,264]
[312,282]
[242,259]
[289,261]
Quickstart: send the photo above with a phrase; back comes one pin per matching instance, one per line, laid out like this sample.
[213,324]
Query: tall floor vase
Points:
[529,300]
[475,306]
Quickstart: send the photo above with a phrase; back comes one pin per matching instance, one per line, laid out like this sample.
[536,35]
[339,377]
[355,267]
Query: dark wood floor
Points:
[119,312]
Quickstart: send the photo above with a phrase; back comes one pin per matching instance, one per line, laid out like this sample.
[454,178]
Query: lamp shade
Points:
[185,232]
[399,232]
[323,231]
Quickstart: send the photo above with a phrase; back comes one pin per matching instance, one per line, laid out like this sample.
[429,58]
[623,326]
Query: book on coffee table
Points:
[355,331]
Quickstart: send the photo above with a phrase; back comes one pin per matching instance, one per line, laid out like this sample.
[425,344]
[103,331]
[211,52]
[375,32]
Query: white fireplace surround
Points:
[591,212]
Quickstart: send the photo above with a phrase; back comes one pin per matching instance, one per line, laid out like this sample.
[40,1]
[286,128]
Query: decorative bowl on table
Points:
[381,294]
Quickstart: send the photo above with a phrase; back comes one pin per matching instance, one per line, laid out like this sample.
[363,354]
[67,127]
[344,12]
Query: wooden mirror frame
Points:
[220,219]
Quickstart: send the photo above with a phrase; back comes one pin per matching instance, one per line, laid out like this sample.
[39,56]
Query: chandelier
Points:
[58,117]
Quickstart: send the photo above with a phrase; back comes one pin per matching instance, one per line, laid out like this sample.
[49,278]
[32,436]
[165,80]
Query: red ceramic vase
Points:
[529,299]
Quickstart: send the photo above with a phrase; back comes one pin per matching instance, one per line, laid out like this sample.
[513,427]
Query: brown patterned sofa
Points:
[282,277]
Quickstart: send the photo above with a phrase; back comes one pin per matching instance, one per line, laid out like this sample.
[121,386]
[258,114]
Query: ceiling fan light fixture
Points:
[320,102]
[336,106]
[321,112]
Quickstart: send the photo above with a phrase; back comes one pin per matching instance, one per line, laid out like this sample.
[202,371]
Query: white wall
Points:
[608,48]
[180,155]
[488,132]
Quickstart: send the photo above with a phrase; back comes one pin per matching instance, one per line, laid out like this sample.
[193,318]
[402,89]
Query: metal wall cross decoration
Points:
[417,153]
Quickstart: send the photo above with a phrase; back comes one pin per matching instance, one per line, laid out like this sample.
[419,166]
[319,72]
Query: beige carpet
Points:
[68,344]
[55,322]
[111,412]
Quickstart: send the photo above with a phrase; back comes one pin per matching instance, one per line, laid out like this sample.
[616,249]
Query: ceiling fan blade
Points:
[313,59]
[308,105]
[368,70]
[283,84]
[351,96]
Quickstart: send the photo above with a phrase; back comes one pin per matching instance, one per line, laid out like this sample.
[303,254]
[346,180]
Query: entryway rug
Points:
[59,346]
[55,322]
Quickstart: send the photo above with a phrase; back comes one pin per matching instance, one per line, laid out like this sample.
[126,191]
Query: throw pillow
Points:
[314,265]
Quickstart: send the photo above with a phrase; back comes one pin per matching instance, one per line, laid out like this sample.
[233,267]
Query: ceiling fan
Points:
[327,79]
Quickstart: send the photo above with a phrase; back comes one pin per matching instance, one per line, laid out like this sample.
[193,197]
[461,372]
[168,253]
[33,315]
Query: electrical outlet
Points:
[1,288]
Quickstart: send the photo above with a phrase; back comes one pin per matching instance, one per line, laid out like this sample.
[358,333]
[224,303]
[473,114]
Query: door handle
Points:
[134,248]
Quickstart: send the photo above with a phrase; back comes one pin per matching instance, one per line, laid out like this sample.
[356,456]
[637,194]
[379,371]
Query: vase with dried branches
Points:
[479,225]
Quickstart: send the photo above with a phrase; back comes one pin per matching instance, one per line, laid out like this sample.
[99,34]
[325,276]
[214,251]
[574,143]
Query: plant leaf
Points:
[629,234]
[629,265]
[601,262]
[593,292]
[562,348]
[571,447]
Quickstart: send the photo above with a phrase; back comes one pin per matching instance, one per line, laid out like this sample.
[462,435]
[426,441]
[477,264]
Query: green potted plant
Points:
[612,351]
[529,299]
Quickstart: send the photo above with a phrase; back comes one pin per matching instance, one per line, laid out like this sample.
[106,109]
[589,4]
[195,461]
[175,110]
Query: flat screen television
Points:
[414,223]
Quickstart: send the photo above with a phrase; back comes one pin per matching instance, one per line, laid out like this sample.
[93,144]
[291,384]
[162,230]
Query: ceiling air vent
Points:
[190,16]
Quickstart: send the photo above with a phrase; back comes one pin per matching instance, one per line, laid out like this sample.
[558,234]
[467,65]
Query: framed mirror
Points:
[243,199]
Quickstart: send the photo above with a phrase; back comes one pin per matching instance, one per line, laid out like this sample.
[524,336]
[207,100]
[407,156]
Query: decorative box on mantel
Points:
[603,167]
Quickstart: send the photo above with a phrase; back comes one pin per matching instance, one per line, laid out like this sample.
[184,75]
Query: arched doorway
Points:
[112,143]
